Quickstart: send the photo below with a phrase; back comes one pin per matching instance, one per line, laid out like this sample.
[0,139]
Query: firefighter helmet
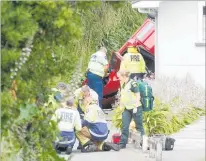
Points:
[131,46]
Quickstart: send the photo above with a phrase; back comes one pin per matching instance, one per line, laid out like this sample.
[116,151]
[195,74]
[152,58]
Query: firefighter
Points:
[131,106]
[133,62]
[94,131]
[68,119]
[97,68]
[81,94]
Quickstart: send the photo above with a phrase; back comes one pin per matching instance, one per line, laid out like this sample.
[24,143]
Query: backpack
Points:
[146,94]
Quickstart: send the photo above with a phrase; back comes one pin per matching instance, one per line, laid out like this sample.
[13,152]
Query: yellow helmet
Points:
[131,48]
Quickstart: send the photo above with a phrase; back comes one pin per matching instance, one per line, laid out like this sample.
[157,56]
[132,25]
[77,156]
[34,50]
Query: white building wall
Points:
[177,30]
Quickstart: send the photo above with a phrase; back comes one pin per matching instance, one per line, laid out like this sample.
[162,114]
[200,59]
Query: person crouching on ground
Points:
[80,95]
[68,119]
[130,102]
[94,131]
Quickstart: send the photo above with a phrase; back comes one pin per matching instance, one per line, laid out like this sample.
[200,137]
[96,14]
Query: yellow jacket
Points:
[133,62]
[128,98]
[79,100]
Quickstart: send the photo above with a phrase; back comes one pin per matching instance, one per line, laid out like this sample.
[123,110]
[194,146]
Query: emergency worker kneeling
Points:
[69,121]
[94,131]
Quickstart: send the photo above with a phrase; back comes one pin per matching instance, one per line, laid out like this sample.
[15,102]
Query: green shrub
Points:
[171,110]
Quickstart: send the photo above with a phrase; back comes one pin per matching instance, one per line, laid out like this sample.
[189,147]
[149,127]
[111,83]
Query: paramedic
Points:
[97,68]
[130,103]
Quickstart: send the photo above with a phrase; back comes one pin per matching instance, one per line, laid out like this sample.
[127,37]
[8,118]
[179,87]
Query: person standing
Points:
[97,68]
[133,62]
[131,106]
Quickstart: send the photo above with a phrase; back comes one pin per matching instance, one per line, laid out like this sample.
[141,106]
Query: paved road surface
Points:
[189,146]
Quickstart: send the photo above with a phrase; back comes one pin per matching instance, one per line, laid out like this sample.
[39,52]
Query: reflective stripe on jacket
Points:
[97,123]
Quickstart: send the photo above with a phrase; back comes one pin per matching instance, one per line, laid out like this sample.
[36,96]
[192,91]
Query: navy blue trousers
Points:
[95,82]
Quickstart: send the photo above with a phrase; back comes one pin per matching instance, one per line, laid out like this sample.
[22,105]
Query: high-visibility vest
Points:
[79,98]
[97,123]
[128,98]
[133,62]
[97,63]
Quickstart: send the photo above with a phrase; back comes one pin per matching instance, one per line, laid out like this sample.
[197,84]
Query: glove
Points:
[135,110]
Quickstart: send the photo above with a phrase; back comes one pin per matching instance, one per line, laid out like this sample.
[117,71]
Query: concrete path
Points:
[189,146]
[190,143]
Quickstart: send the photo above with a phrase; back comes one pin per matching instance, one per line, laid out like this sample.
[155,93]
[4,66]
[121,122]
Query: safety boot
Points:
[69,150]
[79,147]
[110,146]
[122,146]
[89,148]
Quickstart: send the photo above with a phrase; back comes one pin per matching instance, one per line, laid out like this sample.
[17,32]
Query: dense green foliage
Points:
[162,121]
[43,43]
[107,26]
